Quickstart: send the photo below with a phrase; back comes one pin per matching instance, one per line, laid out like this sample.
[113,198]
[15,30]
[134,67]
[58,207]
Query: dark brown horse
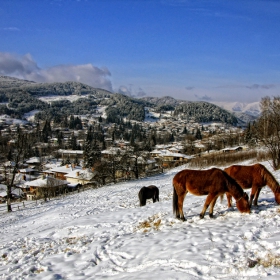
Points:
[213,183]
[147,193]
[253,176]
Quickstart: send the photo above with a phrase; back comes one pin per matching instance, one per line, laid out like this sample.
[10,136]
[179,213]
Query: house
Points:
[82,176]
[34,189]
[34,162]
[71,154]
[59,172]
[168,159]
[28,174]
[232,150]
[15,193]
[155,153]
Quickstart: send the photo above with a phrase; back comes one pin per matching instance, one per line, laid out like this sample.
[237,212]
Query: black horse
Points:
[147,193]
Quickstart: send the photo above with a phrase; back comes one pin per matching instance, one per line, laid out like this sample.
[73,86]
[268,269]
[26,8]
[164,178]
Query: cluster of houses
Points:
[30,182]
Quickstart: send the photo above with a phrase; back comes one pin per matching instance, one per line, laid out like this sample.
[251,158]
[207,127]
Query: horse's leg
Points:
[252,195]
[229,198]
[208,200]
[256,197]
[212,204]
[180,206]
[155,198]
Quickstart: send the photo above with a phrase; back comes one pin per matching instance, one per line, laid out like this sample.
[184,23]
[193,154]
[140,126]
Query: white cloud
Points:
[124,90]
[130,92]
[11,29]
[24,67]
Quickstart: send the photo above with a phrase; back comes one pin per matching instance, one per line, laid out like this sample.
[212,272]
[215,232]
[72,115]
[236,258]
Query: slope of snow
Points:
[104,234]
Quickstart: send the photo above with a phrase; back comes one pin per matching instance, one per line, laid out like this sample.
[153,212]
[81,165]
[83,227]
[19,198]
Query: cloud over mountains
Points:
[24,67]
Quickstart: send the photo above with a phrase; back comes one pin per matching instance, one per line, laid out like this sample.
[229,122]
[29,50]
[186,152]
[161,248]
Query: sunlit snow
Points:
[104,234]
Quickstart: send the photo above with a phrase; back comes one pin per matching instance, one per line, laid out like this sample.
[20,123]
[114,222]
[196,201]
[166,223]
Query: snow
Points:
[104,234]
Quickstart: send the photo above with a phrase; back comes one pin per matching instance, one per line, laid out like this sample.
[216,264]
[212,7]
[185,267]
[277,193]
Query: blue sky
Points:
[209,50]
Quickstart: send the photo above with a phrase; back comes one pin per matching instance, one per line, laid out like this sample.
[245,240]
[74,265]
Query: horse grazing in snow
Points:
[253,176]
[147,193]
[213,183]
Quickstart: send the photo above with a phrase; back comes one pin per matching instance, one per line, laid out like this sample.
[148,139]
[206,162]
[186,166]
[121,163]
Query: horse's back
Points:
[246,175]
[152,187]
[199,182]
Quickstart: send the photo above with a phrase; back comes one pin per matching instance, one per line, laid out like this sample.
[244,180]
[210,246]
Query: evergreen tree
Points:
[73,142]
[89,136]
[198,134]
[92,153]
[47,131]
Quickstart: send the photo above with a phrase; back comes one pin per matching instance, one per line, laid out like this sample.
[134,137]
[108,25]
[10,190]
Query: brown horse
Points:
[253,176]
[213,183]
[147,193]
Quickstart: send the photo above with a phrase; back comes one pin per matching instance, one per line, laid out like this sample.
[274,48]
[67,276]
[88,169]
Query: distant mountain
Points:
[245,112]
[10,85]
[252,109]
[10,82]
[19,97]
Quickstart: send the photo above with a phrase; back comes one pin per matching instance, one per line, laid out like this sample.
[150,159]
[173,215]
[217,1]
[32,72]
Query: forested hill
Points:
[20,96]
[11,85]
[204,112]
[198,111]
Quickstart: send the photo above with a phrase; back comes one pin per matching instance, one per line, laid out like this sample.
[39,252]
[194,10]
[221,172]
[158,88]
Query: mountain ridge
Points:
[13,89]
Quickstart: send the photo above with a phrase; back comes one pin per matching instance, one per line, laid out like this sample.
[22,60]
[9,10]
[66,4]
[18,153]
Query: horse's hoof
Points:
[211,216]
[182,219]
[201,216]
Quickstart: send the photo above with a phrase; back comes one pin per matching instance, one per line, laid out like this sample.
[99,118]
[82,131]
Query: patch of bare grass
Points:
[152,222]
[269,259]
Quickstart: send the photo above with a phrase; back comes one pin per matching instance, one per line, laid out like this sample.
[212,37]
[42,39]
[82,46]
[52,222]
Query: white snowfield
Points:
[104,234]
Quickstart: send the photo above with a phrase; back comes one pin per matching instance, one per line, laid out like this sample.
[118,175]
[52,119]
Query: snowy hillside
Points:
[104,234]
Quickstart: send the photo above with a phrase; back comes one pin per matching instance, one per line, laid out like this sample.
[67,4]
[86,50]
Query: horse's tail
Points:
[157,194]
[175,202]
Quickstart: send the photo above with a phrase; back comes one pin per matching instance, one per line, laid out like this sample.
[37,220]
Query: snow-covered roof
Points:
[46,181]
[84,174]
[26,170]
[61,151]
[65,169]
[33,160]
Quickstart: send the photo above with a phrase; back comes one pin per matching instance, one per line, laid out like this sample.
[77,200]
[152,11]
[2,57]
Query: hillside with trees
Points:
[19,97]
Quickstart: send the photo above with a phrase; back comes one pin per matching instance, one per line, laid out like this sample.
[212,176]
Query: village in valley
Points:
[56,168]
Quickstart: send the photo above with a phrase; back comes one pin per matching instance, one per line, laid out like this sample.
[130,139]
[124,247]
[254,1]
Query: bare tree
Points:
[267,128]
[50,188]
[15,156]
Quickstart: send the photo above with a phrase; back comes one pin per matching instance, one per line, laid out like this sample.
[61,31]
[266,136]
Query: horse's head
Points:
[277,195]
[242,203]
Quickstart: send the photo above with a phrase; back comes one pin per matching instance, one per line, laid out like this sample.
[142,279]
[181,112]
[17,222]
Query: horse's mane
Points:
[268,177]
[232,184]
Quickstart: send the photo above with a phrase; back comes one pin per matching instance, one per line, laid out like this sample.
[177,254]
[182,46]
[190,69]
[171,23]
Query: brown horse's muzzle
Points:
[243,204]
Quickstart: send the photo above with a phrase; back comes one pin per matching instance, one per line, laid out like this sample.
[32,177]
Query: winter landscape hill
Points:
[19,97]
[104,234]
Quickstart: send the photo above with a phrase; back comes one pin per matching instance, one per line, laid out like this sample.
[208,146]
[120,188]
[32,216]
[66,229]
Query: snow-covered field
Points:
[104,234]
